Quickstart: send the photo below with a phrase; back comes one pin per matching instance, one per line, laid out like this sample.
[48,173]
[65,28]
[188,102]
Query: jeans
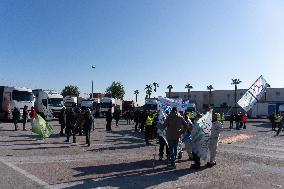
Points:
[173,150]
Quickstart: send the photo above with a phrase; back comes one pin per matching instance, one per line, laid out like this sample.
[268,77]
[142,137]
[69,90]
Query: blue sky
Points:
[50,44]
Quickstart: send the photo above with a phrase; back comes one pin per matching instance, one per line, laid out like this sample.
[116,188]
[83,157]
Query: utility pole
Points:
[93,67]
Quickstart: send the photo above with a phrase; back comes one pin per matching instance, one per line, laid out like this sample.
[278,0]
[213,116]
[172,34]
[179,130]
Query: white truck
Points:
[70,101]
[48,103]
[109,103]
[55,102]
[11,97]
[92,104]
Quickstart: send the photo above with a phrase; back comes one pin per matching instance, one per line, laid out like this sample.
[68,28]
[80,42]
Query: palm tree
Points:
[156,85]
[188,87]
[210,87]
[136,92]
[148,90]
[236,82]
[170,87]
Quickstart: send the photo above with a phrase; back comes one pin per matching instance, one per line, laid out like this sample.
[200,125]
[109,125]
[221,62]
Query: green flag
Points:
[41,127]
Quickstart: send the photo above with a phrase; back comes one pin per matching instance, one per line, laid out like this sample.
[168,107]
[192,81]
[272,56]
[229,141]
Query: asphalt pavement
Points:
[251,158]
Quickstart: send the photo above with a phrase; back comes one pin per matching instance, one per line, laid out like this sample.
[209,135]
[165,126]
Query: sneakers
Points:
[209,165]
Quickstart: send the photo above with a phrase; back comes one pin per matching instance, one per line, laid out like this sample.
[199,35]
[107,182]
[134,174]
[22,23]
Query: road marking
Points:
[25,173]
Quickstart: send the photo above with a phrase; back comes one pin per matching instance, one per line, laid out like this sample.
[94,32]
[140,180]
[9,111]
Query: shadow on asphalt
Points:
[140,174]
[43,148]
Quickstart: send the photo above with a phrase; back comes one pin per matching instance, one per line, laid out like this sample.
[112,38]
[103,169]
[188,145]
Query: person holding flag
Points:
[213,140]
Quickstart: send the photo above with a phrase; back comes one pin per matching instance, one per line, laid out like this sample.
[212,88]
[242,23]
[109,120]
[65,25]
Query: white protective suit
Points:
[213,140]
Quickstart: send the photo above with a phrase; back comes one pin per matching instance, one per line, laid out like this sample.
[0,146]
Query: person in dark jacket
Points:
[16,117]
[88,124]
[62,121]
[108,120]
[70,124]
[116,115]
[25,117]
[232,118]
[136,119]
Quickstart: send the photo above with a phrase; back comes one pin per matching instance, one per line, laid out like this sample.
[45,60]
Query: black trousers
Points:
[280,126]
[88,133]
[69,130]
[62,128]
[108,126]
[148,133]
[163,143]
[196,158]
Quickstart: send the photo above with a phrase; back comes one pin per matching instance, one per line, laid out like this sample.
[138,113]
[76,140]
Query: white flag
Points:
[200,135]
[254,94]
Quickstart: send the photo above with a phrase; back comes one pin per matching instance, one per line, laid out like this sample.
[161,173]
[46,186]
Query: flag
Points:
[41,127]
[254,94]
[200,135]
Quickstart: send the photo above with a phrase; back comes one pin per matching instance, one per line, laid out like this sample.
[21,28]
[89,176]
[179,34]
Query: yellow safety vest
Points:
[278,119]
[218,117]
[149,121]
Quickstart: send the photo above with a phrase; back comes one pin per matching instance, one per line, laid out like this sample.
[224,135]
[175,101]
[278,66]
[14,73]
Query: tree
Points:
[236,82]
[156,85]
[116,90]
[136,92]
[188,87]
[148,89]
[70,90]
[210,87]
[170,87]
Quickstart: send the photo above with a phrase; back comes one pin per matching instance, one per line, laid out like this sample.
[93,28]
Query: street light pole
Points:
[93,67]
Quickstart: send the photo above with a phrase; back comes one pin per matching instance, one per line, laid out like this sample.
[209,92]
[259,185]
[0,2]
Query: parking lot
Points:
[251,158]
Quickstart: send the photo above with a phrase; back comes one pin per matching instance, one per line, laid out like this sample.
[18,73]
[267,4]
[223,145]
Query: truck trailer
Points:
[11,97]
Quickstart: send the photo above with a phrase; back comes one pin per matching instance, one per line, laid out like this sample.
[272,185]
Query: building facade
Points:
[223,100]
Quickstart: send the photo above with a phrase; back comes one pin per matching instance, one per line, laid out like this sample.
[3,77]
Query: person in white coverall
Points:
[213,140]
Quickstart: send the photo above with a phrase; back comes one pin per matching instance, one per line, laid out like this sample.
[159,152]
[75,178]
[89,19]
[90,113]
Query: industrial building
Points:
[223,100]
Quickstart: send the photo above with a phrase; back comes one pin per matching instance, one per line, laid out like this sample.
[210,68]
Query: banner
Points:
[201,132]
[254,93]
[168,104]
[41,127]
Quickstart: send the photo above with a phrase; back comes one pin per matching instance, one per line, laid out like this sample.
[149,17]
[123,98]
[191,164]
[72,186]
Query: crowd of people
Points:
[174,131]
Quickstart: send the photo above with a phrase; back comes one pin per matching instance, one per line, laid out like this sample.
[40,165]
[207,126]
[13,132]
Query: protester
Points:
[175,126]
[137,118]
[213,140]
[187,138]
[272,120]
[62,121]
[116,115]
[280,125]
[108,120]
[244,120]
[16,117]
[25,117]
[79,126]
[88,123]
[195,157]
[149,128]
[232,119]
[32,115]
[70,124]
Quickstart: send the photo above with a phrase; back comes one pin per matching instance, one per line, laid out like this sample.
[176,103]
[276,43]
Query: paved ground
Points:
[252,158]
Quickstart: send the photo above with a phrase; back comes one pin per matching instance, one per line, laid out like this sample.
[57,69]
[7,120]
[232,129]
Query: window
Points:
[194,96]
[277,94]
[228,95]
